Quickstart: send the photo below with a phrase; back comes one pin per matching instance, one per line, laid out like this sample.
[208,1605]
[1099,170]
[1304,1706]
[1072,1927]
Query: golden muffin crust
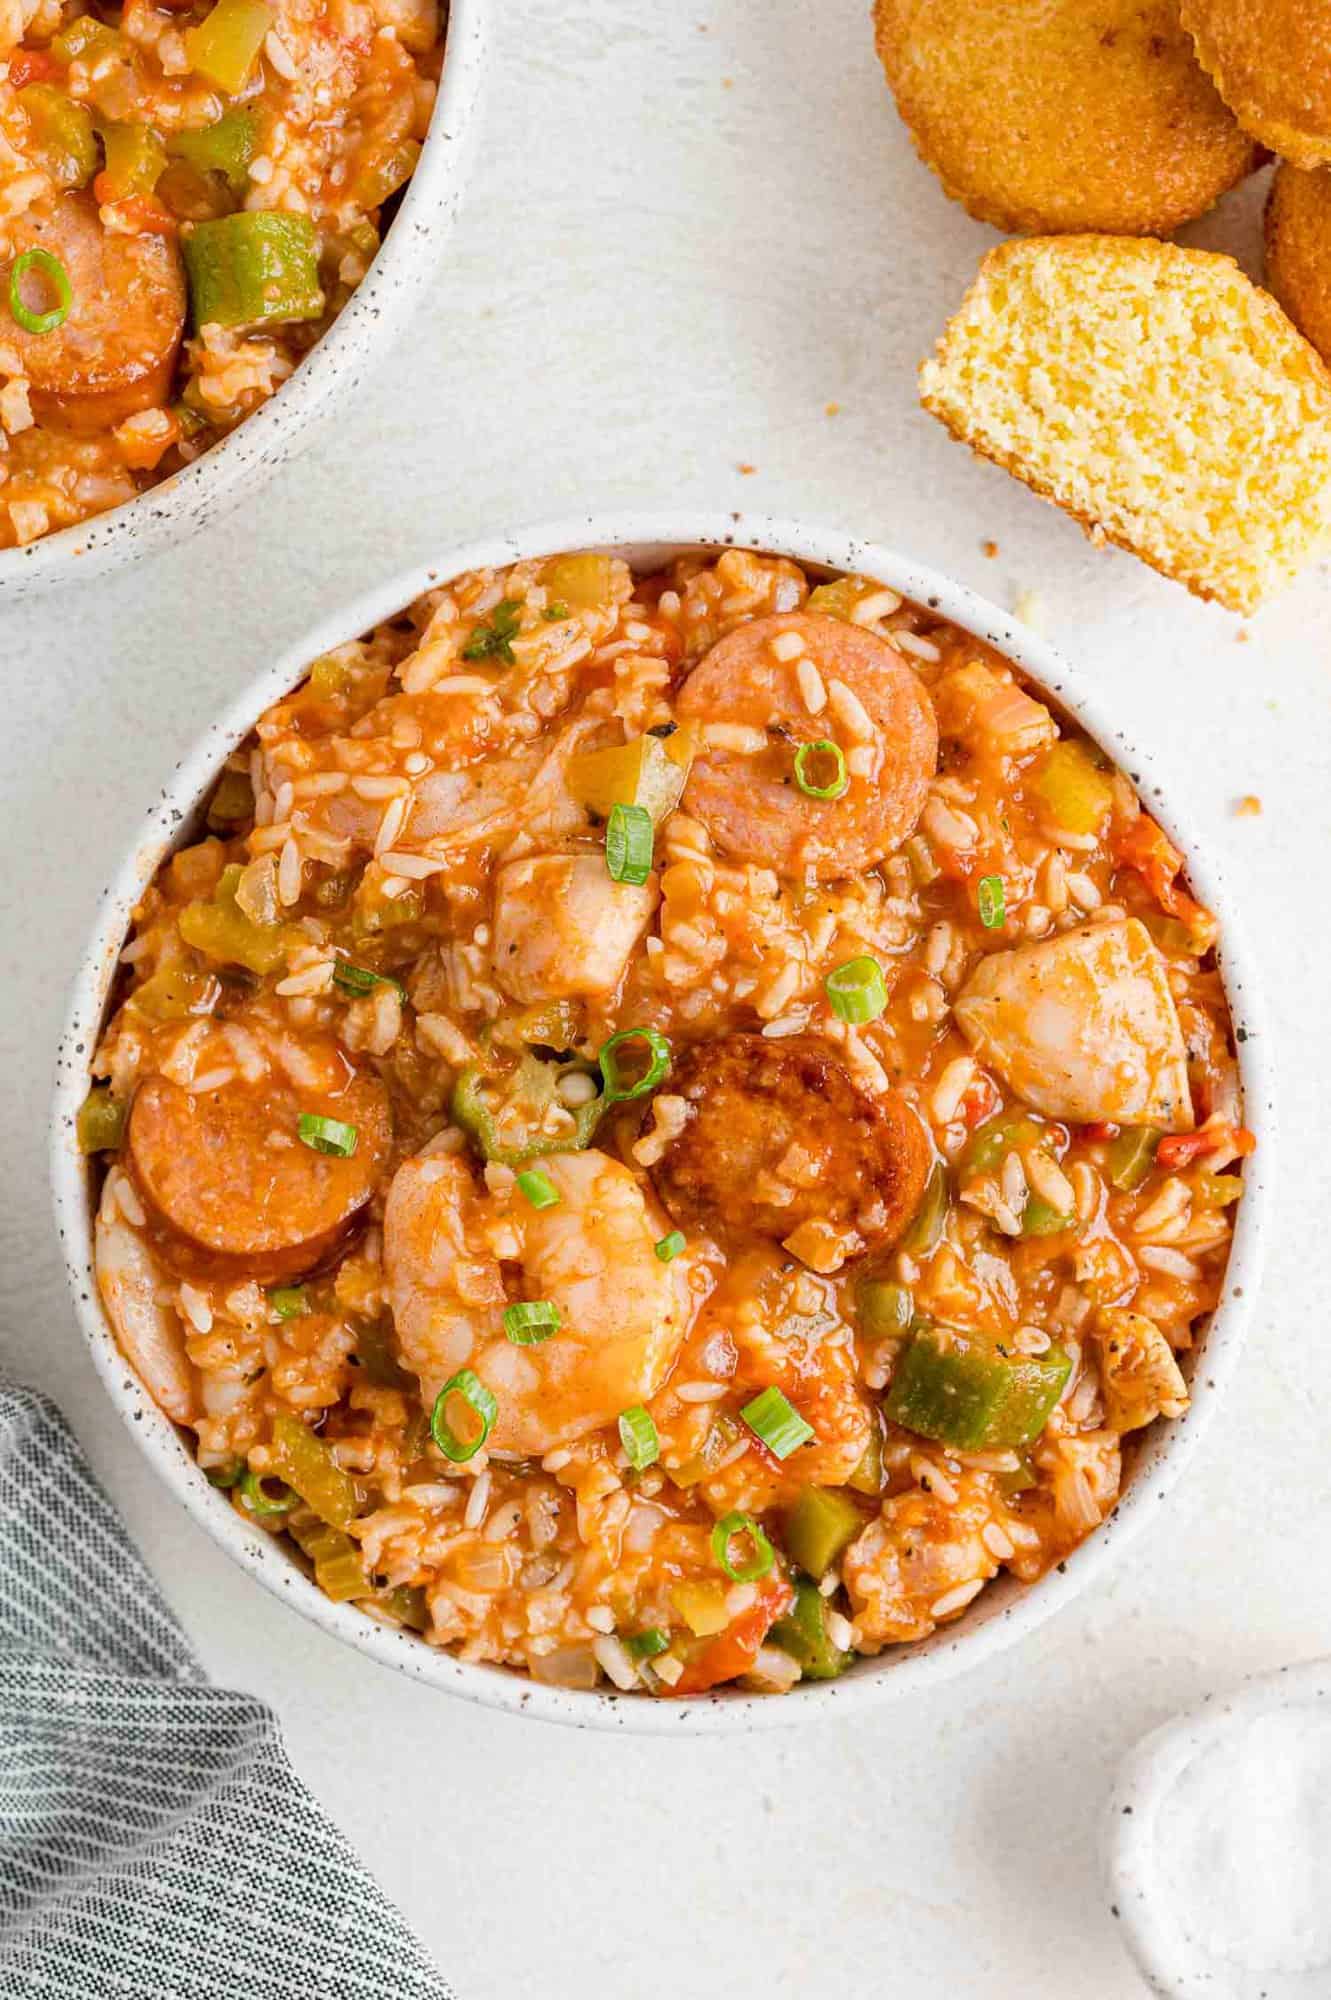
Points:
[1272,65]
[1082,115]
[1298,250]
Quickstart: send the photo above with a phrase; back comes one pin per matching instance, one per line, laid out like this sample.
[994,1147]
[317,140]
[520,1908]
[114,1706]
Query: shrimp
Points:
[563,927]
[1083,1027]
[1140,1377]
[778,685]
[920,1562]
[448,1245]
[147,1329]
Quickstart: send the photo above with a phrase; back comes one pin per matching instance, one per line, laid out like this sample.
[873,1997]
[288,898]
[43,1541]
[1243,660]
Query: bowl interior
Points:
[1006,1608]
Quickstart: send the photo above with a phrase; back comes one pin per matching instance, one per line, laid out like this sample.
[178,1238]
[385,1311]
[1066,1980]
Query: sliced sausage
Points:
[800,679]
[116,352]
[230,1184]
[778,1135]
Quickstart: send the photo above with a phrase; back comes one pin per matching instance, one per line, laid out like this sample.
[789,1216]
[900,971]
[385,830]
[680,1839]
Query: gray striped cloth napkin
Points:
[154,1840]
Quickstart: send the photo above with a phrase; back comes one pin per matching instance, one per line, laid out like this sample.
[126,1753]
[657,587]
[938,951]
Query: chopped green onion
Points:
[539,1189]
[362,979]
[479,1400]
[857,991]
[56,277]
[629,838]
[617,1089]
[646,1645]
[257,1501]
[824,747]
[637,1434]
[530,1322]
[288,1301]
[724,1533]
[494,640]
[554,612]
[326,1135]
[670,1246]
[992,903]
[223,1477]
[777,1422]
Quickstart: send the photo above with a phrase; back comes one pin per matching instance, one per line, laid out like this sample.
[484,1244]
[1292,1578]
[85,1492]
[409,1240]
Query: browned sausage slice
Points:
[795,679]
[779,1135]
[231,1184]
[116,352]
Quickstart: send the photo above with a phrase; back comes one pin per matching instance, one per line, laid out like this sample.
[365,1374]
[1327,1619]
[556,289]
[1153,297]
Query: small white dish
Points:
[358,341]
[1007,1610]
[1217,1844]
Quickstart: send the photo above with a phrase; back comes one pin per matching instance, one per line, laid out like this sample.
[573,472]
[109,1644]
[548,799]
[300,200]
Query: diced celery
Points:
[1040,1218]
[85,36]
[839,598]
[101,1121]
[958,1389]
[232,800]
[381,177]
[803,1634]
[1131,1157]
[580,580]
[307,1465]
[702,1606]
[703,1464]
[819,1526]
[225,147]
[222,932]
[641,773]
[1218,1190]
[253,268]
[62,134]
[1077,793]
[406,1604]
[135,156]
[339,1566]
[174,993]
[1020,1480]
[225,45]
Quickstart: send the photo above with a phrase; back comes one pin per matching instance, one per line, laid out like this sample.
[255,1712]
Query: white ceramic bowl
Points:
[1006,1610]
[357,342]
[1155,1925]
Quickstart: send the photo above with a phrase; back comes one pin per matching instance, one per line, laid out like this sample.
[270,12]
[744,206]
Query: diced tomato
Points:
[732,1652]
[1100,1129]
[33,66]
[980,1100]
[1182,1148]
[1143,845]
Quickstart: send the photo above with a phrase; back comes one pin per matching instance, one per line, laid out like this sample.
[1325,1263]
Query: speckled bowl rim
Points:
[1006,1611]
[1167,1960]
[359,338]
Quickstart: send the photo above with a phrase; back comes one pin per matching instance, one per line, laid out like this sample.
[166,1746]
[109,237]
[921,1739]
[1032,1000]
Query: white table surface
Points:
[690,229]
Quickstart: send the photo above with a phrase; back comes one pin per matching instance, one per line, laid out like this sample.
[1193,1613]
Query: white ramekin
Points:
[358,341]
[1006,1610]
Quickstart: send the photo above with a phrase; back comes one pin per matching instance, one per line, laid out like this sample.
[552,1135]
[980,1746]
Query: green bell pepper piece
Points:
[819,1526]
[101,1121]
[803,1634]
[252,269]
[957,1389]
